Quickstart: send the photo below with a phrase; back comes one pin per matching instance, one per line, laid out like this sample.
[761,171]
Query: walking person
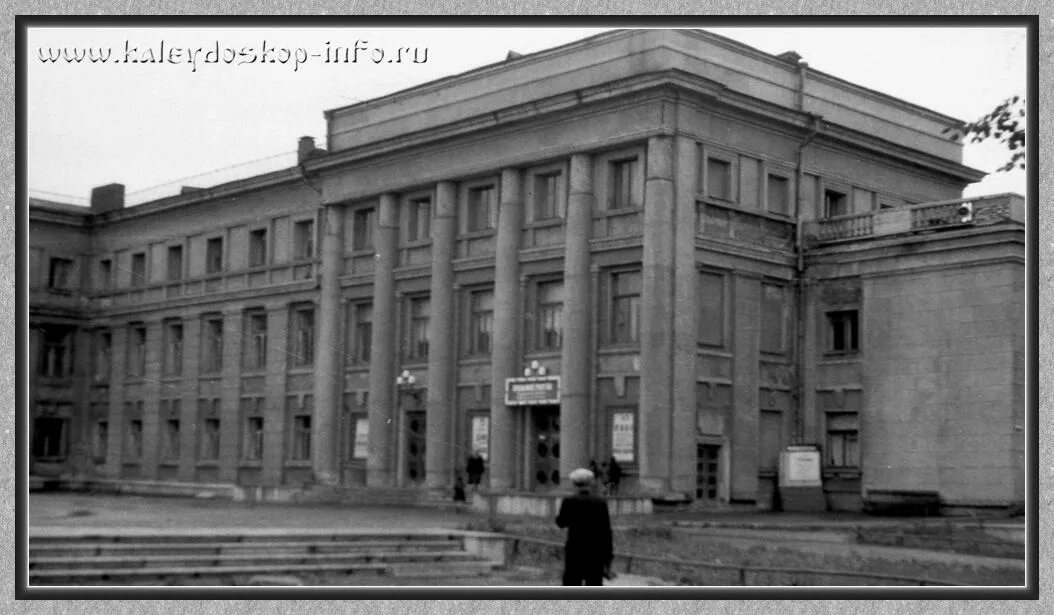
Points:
[614,476]
[588,551]
[475,468]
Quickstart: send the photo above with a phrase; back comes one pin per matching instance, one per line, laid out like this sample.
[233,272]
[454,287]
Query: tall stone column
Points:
[442,355]
[275,415]
[152,402]
[504,356]
[230,394]
[115,417]
[576,352]
[329,372]
[745,341]
[656,327]
[189,429]
[80,429]
[384,349]
[683,427]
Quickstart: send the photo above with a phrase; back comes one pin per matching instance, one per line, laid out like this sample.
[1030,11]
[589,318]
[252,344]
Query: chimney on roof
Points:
[790,57]
[107,198]
[306,149]
[512,55]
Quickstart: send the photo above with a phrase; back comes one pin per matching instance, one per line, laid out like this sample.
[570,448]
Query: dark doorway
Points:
[706,472]
[545,471]
[415,447]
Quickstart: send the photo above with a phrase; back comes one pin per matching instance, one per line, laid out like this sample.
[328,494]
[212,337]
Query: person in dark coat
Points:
[475,469]
[614,476]
[588,551]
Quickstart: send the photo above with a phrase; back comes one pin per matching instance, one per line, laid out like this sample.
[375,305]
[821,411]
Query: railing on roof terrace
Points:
[917,218]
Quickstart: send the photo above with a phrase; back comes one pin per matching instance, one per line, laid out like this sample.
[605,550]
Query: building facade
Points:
[660,246]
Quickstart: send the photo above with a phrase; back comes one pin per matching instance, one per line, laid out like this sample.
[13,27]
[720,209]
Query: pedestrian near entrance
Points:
[588,550]
[475,469]
[614,476]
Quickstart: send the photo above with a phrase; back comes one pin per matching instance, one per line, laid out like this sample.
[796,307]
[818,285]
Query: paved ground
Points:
[815,532]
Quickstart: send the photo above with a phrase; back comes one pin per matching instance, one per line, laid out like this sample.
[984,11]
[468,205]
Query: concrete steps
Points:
[226,557]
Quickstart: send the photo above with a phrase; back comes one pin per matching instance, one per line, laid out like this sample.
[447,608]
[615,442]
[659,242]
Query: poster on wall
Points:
[362,438]
[481,435]
[622,436]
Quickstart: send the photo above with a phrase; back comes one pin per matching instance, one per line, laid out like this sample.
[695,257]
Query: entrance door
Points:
[546,450]
[706,472]
[415,447]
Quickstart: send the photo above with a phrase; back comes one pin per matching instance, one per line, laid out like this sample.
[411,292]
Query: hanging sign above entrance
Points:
[532,391]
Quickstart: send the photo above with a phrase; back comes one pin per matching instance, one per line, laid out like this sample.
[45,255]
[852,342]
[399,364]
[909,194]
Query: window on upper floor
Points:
[622,188]
[214,255]
[481,322]
[56,351]
[624,314]
[547,196]
[835,203]
[303,331]
[172,360]
[549,315]
[418,219]
[418,329]
[212,344]
[779,197]
[842,332]
[136,363]
[138,270]
[105,275]
[480,208]
[360,332]
[258,247]
[60,274]
[255,354]
[174,270]
[363,226]
[773,319]
[719,179]
[304,240]
[101,359]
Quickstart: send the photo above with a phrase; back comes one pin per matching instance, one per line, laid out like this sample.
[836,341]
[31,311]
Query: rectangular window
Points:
[625,307]
[175,263]
[256,341]
[212,345]
[481,321]
[622,186]
[779,195]
[419,219]
[49,437]
[303,336]
[770,440]
[56,356]
[550,315]
[101,360]
[210,436]
[214,255]
[258,247]
[134,443]
[711,303]
[172,364]
[254,438]
[842,331]
[105,281]
[843,450]
[304,240]
[60,274]
[419,320]
[136,351]
[480,208]
[361,439]
[363,222]
[835,203]
[547,196]
[101,439]
[170,450]
[361,330]
[301,438]
[773,320]
[138,269]
[719,179]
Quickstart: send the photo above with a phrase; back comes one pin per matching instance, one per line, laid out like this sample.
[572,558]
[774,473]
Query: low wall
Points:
[536,505]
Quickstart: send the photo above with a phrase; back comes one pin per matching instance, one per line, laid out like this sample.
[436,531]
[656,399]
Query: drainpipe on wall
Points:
[799,248]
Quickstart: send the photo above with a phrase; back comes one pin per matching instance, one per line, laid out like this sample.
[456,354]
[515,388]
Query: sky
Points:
[193,120]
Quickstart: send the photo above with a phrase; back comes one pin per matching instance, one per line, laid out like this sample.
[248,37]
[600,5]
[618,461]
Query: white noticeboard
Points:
[362,439]
[481,435]
[800,468]
[622,436]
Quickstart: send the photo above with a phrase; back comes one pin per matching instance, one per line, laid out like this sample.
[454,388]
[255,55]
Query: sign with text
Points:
[532,391]
[362,439]
[622,436]
[800,468]
[481,435]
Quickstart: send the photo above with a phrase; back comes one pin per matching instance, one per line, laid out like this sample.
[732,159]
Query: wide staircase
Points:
[261,557]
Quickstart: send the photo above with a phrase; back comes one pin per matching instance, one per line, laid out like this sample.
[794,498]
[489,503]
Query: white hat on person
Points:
[581,477]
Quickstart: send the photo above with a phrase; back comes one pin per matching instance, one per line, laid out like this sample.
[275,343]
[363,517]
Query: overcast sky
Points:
[154,127]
